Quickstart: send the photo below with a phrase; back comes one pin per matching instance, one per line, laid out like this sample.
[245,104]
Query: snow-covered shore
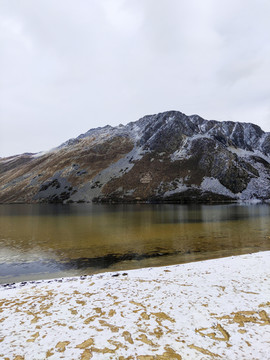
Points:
[214,309]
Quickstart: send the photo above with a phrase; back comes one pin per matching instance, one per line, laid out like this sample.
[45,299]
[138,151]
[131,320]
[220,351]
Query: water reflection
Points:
[39,241]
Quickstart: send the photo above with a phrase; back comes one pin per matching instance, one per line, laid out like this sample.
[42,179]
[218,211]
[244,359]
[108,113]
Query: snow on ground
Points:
[214,309]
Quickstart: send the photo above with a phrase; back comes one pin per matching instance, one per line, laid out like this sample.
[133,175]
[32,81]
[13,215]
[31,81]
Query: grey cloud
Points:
[67,66]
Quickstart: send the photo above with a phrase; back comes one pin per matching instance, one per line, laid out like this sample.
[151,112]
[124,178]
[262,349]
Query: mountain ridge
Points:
[166,157]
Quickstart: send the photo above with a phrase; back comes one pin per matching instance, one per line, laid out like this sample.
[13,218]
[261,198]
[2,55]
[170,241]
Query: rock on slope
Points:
[165,157]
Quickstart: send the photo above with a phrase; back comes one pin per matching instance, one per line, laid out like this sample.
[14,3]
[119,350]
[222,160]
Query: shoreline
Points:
[218,308]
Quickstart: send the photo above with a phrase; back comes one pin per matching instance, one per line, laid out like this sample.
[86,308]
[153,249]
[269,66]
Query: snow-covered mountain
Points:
[165,157]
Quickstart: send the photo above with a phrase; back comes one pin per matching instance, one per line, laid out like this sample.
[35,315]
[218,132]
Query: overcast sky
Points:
[70,65]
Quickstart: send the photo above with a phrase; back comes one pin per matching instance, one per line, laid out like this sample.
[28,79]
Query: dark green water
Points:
[47,241]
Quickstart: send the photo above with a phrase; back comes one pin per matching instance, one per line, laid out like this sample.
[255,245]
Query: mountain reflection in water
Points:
[45,241]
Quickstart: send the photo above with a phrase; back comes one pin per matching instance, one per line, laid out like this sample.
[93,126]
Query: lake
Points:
[43,241]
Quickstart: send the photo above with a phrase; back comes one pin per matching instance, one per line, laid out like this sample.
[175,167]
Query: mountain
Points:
[168,157]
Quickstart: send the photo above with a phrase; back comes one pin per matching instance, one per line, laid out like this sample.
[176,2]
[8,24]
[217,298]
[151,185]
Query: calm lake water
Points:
[47,241]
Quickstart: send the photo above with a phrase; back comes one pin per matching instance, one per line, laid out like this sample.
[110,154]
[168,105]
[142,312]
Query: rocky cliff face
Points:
[165,157]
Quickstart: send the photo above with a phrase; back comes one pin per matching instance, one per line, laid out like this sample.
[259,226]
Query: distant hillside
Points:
[165,157]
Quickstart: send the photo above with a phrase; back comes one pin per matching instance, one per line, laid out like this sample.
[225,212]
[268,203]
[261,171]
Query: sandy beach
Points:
[214,309]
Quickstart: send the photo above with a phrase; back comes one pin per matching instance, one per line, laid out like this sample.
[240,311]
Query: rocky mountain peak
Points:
[168,156]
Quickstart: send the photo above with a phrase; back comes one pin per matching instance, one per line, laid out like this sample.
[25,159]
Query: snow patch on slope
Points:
[115,170]
[214,185]
[184,152]
[42,153]
[247,153]
[259,187]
